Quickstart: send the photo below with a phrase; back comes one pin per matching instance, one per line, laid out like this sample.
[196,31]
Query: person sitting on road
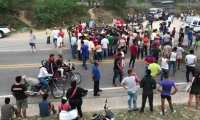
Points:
[46,107]
[42,75]
[61,68]
[8,110]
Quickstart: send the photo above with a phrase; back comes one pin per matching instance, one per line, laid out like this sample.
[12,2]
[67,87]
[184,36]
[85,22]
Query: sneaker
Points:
[135,109]
[34,51]
[100,90]
[129,111]
[114,85]
[97,95]
[41,92]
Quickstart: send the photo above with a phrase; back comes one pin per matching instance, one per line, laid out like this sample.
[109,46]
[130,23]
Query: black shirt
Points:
[148,84]
[78,95]
[156,52]
[116,63]
[181,36]
[18,91]
[115,41]
[59,63]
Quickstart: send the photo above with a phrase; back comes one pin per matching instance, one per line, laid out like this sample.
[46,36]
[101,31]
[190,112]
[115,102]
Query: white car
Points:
[4,29]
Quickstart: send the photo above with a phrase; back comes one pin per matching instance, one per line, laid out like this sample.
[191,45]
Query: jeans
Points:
[169,23]
[140,51]
[84,59]
[116,73]
[132,59]
[174,66]
[162,74]
[145,50]
[44,83]
[99,54]
[55,42]
[48,40]
[130,97]
[144,98]
[189,43]
[188,70]
[73,51]
[104,50]
[114,49]
[146,69]
[79,55]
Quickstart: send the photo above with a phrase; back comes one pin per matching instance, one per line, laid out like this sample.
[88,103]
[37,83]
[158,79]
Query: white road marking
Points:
[110,88]
[30,50]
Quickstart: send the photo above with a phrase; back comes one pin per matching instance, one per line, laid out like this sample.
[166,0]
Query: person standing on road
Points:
[166,93]
[156,51]
[172,58]
[48,33]
[197,41]
[167,49]
[84,54]
[179,52]
[32,41]
[190,61]
[105,44]
[117,68]
[181,36]
[59,45]
[148,60]
[147,84]
[164,66]
[155,70]
[55,36]
[79,47]
[19,91]
[153,35]
[8,110]
[145,40]
[62,35]
[96,78]
[195,90]
[73,45]
[74,95]
[190,37]
[131,89]
[91,49]
[173,32]
[134,52]
[169,21]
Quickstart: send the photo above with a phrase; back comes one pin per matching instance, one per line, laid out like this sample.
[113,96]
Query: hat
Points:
[64,98]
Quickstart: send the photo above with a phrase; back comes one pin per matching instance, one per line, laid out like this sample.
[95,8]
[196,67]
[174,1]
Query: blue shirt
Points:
[73,40]
[190,35]
[84,50]
[44,108]
[166,87]
[95,71]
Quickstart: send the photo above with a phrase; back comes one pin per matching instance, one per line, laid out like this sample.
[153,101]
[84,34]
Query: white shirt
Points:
[55,34]
[172,42]
[179,52]
[79,34]
[130,83]
[122,59]
[164,63]
[182,15]
[59,41]
[86,42]
[90,46]
[153,35]
[190,59]
[104,43]
[173,56]
[169,19]
[43,73]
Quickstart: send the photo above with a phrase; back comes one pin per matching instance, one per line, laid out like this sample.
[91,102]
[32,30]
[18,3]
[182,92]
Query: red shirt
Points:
[149,59]
[133,50]
[76,33]
[80,27]
[61,34]
[95,42]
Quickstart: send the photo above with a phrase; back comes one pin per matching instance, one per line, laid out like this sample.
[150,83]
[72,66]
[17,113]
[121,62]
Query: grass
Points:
[122,114]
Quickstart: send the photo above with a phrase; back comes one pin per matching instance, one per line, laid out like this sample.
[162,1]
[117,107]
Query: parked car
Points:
[4,29]
[191,21]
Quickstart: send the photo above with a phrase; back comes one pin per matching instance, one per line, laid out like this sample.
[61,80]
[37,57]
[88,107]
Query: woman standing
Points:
[99,51]
[32,41]
[195,90]
[75,95]
[164,66]
[172,58]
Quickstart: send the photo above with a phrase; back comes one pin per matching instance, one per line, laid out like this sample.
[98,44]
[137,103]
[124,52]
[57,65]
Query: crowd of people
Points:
[98,43]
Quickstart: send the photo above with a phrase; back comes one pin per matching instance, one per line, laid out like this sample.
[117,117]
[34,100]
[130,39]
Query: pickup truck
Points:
[4,29]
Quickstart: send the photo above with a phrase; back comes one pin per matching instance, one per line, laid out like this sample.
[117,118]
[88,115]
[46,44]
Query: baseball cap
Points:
[64,98]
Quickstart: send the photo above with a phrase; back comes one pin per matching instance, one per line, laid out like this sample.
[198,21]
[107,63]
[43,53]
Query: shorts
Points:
[178,60]
[165,96]
[22,104]
[32,44]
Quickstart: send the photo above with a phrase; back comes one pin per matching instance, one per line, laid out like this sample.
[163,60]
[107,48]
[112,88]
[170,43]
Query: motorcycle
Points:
[108,116]
[56,90]
[69,72]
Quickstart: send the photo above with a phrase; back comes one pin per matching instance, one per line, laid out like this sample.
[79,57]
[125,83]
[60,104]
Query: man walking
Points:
[32,41]
[134,52]
[48,33]
[91,49]
[190,61]
[96,78]
[84,54]
[148,84]
[155,70]
[59,45]
[166,93]
[153,35]
[19,91]
[55,36]
[73,45]
[105,44]
[117,69]
[190,37]
[131,89]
